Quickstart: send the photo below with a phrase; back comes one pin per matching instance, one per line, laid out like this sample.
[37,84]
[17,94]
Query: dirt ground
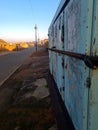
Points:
[25,102]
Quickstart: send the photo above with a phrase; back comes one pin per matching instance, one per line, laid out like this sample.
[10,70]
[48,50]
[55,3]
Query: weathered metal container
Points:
[73,52]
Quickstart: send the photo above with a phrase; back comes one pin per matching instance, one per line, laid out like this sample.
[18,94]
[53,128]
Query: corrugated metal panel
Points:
[77,83]
[60,60]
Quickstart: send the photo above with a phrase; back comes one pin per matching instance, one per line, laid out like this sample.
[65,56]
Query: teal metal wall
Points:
[93,91]
[74,28]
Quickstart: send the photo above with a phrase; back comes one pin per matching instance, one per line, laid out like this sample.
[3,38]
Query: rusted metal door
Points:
[81,86]
[76,73]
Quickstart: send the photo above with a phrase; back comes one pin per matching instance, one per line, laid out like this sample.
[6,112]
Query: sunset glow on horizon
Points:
[18,18]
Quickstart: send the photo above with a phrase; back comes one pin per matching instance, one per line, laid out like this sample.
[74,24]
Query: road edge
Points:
[10,75]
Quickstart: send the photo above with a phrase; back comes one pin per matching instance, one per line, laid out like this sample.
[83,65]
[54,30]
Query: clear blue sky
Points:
[18,18]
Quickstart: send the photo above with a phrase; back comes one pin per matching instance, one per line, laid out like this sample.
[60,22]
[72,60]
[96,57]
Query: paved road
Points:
[10,61]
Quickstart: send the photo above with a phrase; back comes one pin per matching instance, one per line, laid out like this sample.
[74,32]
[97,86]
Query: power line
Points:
[31,7]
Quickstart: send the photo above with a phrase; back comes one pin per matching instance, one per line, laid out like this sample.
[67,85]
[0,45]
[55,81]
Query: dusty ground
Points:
[25,102]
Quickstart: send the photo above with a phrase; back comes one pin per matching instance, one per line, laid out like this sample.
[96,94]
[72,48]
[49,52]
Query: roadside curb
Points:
[10,75]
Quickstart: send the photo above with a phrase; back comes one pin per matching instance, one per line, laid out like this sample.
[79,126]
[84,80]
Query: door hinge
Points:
[88,82]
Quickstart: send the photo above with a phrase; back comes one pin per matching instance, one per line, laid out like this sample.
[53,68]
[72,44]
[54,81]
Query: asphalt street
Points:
[9,62]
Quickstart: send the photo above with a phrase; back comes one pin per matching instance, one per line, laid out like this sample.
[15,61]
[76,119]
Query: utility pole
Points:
[35,36]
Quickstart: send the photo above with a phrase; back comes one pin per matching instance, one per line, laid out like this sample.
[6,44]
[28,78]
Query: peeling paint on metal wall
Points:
[75,77]
[93,96]
[79,19]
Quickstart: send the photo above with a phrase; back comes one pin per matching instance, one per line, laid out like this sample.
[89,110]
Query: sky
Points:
[19,17]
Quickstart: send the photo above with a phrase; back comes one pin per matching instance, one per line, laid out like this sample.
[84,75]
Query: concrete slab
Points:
[41,90]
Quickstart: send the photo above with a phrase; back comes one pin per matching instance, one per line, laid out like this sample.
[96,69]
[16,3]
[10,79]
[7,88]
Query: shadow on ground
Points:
[25,102]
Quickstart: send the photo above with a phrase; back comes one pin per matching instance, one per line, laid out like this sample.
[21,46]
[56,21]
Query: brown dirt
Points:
[18,112]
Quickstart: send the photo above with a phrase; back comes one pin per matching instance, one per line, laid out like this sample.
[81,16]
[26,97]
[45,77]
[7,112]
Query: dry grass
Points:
[13,46]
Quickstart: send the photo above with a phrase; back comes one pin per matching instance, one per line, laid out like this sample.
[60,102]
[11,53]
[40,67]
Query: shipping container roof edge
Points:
[59,10]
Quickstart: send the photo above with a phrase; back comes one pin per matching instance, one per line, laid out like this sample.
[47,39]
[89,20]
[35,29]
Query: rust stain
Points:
[94,41]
